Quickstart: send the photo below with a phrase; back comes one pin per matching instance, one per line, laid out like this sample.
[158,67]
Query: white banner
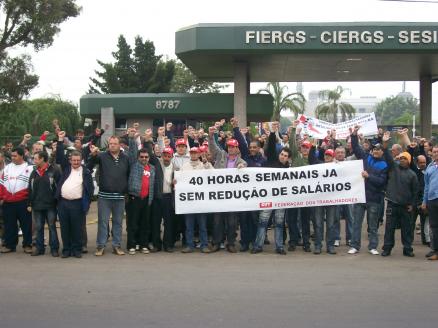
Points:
[251,189]
[318,129]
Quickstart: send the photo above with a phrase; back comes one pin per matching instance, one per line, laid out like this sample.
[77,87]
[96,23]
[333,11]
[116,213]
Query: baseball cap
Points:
[181,142]
[195,150]
[232,143]
[203,149]
[306,144]
[168,150]
[329,152]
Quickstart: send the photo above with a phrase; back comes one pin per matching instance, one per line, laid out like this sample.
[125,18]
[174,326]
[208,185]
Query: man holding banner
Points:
[223,160]
[277,161]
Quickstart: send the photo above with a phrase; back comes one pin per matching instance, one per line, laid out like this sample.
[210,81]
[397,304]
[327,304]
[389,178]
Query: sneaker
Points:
[222,246]
[373,251]
[317,251]
[27,249]
[131,251]
[256,250]
[187,250]
[337,243]
[84,250]
[352,250]
[20,232]
[144,250]
[99,251]
[205,250]
[137,248]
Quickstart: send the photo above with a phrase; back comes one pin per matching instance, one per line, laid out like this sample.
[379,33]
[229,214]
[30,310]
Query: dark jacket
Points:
[271,153]
[402,186]
[113,175]
[377,172]
[42,189]
[253,161]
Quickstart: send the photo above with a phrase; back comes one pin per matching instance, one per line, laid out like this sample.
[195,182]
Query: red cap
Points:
[329,152]
[195,150]
[181,142]
[232,143]
[203,149]
[168,150]
[306,144]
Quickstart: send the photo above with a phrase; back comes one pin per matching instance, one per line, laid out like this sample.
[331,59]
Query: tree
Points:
[27,23]
[329,110]
[397,110]
[282,100]
[36,116]
[133,71]
[184,81]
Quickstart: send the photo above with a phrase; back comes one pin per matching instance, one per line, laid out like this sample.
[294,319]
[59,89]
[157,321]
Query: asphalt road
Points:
[219,290]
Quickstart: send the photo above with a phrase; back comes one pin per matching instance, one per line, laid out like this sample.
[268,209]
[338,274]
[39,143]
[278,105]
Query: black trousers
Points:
[72,220]
[13,212]
[162,209]
[398,215]
[225,222]
[139,224]
[432,207]
[418,212]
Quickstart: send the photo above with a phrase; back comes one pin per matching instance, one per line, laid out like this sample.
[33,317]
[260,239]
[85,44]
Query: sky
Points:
[65,67]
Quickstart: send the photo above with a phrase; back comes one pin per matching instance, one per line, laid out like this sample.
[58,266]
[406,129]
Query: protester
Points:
[430,202]
[375,175]
[225,159]
[114,168]
[141,193]
[200,218]
[43,183]
[277,161]
[14,195]
[401,193]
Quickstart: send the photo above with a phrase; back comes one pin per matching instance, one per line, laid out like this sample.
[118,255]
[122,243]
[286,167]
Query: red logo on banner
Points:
[265,205]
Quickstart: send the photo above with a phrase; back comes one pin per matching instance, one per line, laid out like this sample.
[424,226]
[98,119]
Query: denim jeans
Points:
[41,217]
[432,207]
[190,220]
[107,208]
[327,213]
[299,218]
[346,212]
[279,218]
[248,227]
[398,215]
[225,224]
[373,216]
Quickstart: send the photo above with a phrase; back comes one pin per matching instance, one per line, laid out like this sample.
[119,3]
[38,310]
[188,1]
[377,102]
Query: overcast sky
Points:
[65,68]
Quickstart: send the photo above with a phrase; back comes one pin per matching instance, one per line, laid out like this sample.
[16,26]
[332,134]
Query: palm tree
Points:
[330,108]
[282,100]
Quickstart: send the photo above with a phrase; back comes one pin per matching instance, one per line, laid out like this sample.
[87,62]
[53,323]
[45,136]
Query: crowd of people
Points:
[52,179]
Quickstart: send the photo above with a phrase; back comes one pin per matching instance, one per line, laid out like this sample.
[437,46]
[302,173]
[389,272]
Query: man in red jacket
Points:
[14,198]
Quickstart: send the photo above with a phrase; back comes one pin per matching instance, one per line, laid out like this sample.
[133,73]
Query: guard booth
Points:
[120,111]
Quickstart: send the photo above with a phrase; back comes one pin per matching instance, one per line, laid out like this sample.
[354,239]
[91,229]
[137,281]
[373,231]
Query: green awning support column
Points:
[241,91]
[426,106]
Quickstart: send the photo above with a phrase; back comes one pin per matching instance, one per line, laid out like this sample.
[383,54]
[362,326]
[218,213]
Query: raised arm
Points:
[243,146]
